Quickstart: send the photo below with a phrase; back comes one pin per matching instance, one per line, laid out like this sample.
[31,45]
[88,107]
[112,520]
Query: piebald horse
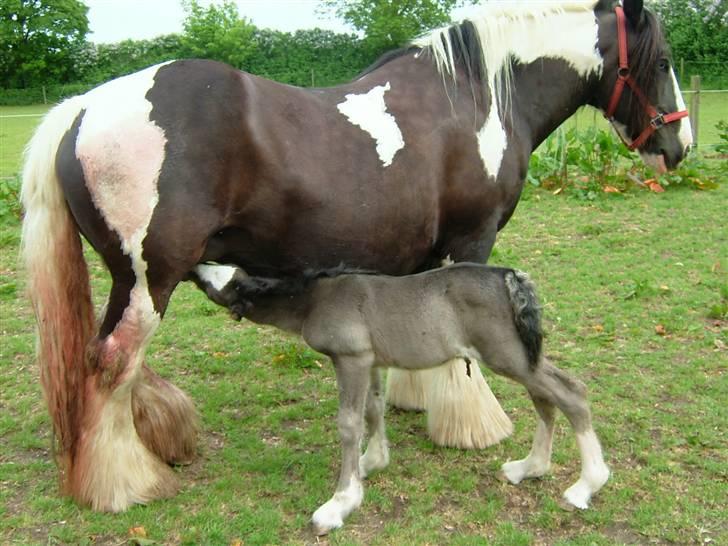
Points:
[422,157]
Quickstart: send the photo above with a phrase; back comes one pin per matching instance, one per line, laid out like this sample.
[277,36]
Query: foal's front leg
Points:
[376,456]
[352,375]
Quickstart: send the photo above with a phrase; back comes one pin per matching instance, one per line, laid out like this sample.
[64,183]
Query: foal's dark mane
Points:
[263,287]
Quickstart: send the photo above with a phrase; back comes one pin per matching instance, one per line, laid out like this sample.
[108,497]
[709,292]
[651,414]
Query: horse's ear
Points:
[634,12]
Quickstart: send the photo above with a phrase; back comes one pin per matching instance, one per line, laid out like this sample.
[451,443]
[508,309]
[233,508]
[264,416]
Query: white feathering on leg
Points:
[407,390]
[462,410]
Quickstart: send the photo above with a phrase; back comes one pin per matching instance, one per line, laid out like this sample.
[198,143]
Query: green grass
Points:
[14,134]
[634,289]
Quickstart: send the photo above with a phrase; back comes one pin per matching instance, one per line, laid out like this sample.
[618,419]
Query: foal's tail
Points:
[57,281]
[527,313]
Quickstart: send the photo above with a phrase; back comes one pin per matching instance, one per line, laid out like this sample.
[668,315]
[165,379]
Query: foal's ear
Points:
[634,12]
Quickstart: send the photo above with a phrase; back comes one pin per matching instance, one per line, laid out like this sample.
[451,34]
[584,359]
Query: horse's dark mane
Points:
[386,58]
[466,51]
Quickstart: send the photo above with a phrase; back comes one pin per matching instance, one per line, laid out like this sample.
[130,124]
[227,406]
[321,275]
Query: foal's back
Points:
[416,321]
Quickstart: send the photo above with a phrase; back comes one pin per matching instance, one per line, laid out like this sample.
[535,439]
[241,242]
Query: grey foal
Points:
[366,322]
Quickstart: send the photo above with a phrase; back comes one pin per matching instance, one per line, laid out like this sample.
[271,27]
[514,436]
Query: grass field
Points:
[635,295]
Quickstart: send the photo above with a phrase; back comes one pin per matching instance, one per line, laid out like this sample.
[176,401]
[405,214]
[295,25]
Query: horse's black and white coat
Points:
[187,162]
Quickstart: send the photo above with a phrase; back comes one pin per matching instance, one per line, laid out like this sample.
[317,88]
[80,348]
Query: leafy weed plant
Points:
[589,161]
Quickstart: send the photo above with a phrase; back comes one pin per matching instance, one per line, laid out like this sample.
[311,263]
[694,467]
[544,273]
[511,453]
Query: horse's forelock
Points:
[645,53]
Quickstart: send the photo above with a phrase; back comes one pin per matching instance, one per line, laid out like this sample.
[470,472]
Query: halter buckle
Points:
[658,121]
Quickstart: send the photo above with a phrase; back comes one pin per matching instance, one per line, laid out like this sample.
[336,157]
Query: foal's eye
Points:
[664,65]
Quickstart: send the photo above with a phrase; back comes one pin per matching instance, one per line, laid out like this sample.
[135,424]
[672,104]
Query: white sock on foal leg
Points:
[538,461]
[331,514]
[594,471]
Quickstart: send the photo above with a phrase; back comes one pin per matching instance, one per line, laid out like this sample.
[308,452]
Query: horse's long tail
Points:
[58,283]
[527,313]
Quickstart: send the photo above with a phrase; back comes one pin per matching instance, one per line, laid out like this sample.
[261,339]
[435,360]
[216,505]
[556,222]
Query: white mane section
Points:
[523,31]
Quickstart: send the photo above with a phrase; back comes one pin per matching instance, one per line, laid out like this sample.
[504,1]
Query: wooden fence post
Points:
[695,107]
[682,70]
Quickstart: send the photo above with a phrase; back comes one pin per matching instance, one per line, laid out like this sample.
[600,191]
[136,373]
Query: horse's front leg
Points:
[352,375]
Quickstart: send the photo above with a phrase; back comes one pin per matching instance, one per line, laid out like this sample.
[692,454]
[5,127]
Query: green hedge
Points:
[35,95]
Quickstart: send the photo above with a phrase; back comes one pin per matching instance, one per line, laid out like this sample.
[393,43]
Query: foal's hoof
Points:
[323,524]
[577,496]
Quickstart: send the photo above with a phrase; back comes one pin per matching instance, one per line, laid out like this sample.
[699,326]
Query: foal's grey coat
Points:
[363,322]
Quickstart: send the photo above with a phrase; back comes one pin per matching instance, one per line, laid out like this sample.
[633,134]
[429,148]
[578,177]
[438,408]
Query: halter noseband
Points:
[657,119]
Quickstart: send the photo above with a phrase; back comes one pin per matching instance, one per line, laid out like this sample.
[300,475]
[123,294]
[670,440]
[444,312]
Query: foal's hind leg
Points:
[550,384]
[352,375]
[376,456]
[538,461]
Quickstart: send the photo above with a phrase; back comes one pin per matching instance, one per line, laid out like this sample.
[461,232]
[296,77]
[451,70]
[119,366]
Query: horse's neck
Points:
[284,312]
[556,63]
[541,104]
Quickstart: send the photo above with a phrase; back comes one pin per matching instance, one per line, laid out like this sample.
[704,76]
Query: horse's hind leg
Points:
[538,461]
[352,375]
[552,386]
[113,467]
[376,456]
[165,418]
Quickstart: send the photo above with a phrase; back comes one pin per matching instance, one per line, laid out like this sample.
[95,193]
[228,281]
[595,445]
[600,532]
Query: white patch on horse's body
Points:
[492,143]
[216,275]
[122,151]
[369,112]
[685,133]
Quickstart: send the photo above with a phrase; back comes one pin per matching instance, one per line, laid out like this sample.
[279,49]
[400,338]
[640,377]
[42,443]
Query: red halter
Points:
[657,120]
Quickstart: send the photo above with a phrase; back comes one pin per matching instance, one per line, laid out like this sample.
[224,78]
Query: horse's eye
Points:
[664,65]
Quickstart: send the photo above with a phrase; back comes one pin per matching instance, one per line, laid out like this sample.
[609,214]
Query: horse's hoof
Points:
[578,495]
[321,528]
[512,472]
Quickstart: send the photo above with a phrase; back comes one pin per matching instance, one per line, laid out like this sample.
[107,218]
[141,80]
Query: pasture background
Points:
[635,299]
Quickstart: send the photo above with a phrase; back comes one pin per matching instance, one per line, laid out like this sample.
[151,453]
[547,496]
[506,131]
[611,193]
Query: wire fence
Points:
[707,108]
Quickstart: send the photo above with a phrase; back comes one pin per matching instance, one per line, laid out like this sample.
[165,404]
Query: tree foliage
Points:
[103,62]
[387,24]
[307,57]
[39,39]
[697,29]
[217,32]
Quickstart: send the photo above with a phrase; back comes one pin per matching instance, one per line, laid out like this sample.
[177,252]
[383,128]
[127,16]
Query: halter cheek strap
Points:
[657,119]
